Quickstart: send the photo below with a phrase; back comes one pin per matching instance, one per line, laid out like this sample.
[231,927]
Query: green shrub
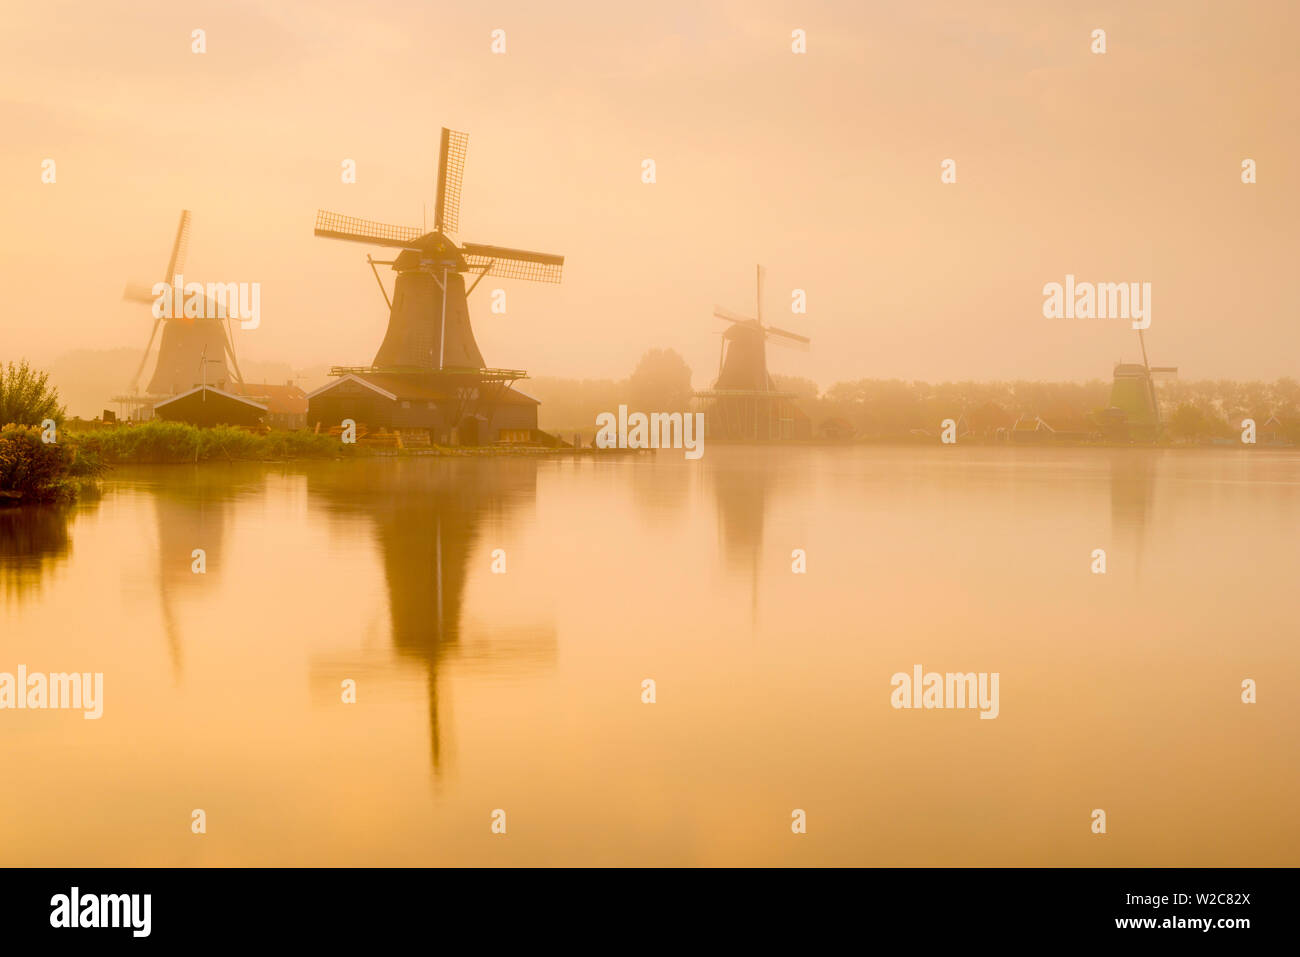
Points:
[32,470]
[26,397]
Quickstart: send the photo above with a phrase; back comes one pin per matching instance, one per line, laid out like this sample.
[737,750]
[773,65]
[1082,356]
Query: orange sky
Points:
[825,167]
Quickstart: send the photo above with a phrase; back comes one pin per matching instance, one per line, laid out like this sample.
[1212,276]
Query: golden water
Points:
[522,691]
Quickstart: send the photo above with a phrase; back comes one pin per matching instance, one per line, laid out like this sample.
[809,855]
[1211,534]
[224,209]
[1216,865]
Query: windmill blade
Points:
[337,226]
[1143,343]
[730,316]
[506,263]
[790,344]
[135,380]
[1164,372]
[180,248]
[451,167]
[138,292]
[773,331]
[230,351]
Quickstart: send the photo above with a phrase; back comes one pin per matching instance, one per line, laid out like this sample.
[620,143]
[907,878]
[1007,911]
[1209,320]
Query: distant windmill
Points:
[428,323]
[192,351]
[744,402]
[1133,410]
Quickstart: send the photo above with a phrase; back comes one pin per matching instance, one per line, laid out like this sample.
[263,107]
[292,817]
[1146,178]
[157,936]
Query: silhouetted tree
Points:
[26,397]
[660,381]
[803,388]
[1187,422]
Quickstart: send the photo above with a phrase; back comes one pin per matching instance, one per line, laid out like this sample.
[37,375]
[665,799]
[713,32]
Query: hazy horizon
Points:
[825,167]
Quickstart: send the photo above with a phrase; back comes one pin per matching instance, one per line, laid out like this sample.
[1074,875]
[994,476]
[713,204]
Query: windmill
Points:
[1133,411]
[192,351]
[428,322]
[744,402]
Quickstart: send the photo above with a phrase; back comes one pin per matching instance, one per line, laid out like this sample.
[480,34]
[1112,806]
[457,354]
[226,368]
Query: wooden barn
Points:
[208,406]
[464,410]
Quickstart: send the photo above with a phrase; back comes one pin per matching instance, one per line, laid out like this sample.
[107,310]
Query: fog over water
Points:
[523,690]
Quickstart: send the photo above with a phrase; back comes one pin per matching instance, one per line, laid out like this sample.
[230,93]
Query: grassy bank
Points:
[34,471]
[173,443]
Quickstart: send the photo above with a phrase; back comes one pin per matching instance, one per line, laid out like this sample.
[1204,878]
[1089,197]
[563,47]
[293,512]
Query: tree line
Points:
[895,408]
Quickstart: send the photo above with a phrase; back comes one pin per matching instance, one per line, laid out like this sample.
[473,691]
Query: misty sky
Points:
[824,167]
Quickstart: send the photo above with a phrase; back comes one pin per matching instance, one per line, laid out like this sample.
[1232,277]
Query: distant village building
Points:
[1031,428]
[1273,432]
[286,405]
[208,406]
[837,428]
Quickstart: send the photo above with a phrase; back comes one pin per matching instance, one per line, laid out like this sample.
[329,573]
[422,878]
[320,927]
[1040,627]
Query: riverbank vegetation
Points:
[26,396]
[45,457]
[34,470]
[899,410]
[172,443]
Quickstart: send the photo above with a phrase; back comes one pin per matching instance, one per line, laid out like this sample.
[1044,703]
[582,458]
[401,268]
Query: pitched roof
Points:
[215,391]
[397,387]
[279,399]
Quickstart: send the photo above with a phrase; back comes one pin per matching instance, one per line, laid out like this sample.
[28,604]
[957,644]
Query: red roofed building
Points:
[286,405]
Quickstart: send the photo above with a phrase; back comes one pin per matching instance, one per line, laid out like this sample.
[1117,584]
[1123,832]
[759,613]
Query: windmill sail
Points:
[337,226]
[451,169]
[428,319]
[137,292]
[180,248]
[505,263]
[191,351]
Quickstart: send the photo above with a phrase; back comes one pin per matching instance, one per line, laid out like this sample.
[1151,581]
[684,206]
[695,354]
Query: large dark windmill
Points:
[429,352]
[192,351]
[744,402]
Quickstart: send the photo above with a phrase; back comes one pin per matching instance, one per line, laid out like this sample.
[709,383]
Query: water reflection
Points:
[741,492]
[661,484]
[33,541]
[1132,496]
[428,518]
[192,508]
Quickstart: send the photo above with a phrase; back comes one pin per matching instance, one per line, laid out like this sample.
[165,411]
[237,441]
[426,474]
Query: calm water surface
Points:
[522,691]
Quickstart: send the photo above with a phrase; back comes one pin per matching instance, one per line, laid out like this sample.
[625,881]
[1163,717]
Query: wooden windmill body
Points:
[429,354]
[1133,413]
[192,351]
